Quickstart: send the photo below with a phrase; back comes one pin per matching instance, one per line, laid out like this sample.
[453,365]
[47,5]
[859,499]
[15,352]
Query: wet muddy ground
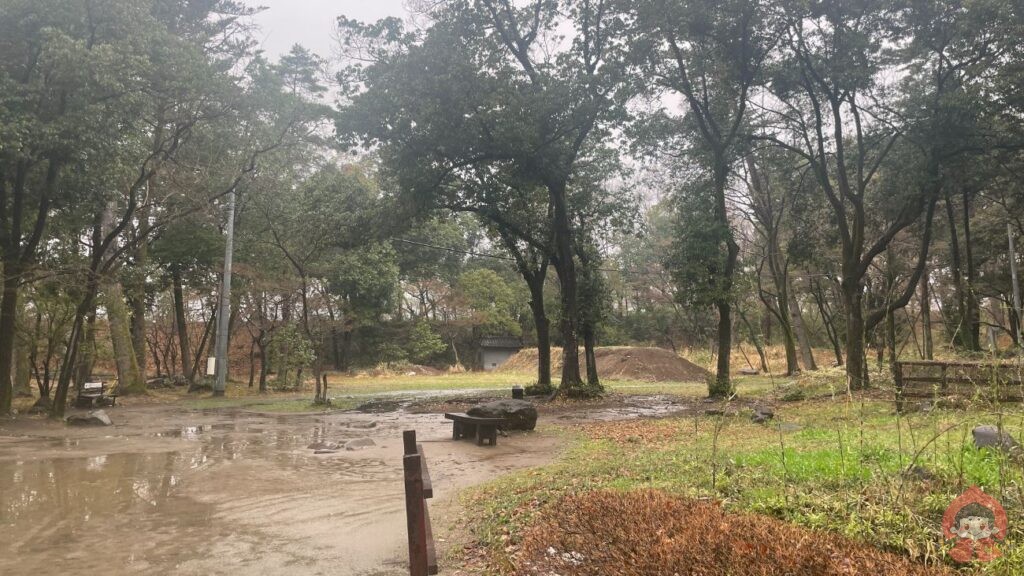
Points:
[172,491]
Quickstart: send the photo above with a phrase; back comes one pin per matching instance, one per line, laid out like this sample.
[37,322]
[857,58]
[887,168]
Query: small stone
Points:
[323,446]
[762,414]
[988,436]
[359,443]
[94,418]
[749,371]
[324,451]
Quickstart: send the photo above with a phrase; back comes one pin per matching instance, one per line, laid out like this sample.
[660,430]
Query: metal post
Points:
[224,312]
[1016,288]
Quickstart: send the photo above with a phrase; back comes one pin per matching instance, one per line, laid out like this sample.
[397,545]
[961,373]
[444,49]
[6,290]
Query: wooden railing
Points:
[930,378]
[422,553]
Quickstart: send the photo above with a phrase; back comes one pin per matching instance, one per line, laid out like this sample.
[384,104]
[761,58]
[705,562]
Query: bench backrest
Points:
[92,386]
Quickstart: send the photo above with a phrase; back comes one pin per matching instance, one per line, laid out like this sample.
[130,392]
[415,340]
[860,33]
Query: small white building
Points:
[494,351]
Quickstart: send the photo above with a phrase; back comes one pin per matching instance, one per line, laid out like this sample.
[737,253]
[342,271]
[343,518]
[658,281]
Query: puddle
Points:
[632,407]
[237,494]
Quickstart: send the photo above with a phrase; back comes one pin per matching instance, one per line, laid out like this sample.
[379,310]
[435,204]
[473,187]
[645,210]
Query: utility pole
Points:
[1016,288]
[224,311]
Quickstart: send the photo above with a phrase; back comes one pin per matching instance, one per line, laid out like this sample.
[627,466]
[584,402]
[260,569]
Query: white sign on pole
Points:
[211,366]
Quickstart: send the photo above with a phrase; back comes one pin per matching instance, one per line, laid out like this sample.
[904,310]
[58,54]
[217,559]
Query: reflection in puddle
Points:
[160,511]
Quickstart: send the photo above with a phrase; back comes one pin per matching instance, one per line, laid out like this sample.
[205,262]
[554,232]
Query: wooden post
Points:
[415,517]
[1016,289]
[409,441]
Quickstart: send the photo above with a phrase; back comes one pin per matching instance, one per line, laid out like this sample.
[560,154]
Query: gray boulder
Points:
[988,436]
[519,414]
[359,443]
[94,418]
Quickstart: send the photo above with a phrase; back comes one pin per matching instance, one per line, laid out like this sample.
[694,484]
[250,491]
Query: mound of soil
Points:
[649,532]
[620,363]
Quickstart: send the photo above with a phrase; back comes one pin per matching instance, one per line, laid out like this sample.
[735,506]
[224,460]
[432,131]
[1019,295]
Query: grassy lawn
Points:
[343,384]
[345,390]
[825,464]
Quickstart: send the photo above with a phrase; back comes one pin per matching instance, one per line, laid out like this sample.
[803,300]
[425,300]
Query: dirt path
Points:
[172,491]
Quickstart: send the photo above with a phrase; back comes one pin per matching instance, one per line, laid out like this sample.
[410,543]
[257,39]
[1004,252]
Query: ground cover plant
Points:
[844,467]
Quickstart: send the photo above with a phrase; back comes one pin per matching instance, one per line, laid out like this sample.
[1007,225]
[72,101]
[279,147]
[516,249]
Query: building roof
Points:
[501,342]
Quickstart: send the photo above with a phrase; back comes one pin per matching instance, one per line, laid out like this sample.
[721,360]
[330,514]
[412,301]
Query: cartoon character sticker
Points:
[976,520]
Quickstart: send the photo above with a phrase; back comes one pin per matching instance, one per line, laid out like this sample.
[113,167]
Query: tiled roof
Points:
[501,342]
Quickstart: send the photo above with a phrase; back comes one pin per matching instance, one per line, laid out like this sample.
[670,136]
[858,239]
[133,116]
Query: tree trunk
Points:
[252,362]
[961,329]
[801,334]
[22,372]
[972,312]
[181,321]
[589,346]
[129,378]
[137,294]
[755,340]
[87,348]
[8,322]
[283,370]
[722,386]
[776,307]
[85,307]
[565,266]
[263,366]
[856,360]
[543,327]
[207,330]
[926,319]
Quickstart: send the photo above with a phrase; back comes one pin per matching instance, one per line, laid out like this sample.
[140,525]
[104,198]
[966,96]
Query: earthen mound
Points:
[620,363]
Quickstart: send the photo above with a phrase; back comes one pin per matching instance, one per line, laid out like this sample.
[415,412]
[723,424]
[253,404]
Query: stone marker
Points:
[989,436]
[520,414]
[94,418]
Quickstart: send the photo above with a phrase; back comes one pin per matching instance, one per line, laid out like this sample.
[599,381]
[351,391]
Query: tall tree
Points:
[711,54]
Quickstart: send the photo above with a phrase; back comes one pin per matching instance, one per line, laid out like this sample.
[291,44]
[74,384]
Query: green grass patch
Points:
[834,465]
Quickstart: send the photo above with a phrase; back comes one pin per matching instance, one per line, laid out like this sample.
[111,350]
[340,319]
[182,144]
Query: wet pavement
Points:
[170,491]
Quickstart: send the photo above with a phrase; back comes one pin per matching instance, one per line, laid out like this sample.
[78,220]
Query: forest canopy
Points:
[838,178]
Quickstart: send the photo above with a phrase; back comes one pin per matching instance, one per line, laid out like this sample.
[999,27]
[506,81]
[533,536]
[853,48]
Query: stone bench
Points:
[483,429]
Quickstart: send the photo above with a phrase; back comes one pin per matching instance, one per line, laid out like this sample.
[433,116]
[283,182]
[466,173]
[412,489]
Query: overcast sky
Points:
[311,22]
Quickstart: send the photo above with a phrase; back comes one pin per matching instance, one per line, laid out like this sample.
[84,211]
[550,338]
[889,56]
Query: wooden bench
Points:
[422,552]
[931,378]
[466,426]
[94,394]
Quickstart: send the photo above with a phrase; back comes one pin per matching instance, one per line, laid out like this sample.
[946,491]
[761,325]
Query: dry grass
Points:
[646,532]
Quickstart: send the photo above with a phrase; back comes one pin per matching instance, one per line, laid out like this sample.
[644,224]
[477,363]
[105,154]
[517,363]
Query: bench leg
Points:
[488,433]
[456,429]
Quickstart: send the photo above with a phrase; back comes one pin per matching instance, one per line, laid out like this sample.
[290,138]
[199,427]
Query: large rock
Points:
[520,414]
[990,437]
[94,418]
